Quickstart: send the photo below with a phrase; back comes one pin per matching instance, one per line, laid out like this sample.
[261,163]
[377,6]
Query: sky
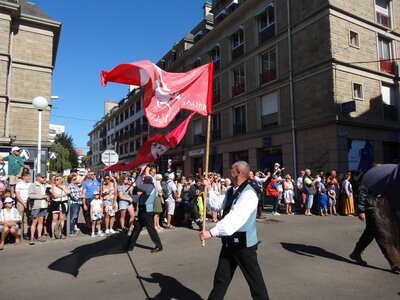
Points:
[99,35]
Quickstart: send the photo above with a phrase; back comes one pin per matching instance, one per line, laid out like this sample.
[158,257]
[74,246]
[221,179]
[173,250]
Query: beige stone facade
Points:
[323,94]
[29,41]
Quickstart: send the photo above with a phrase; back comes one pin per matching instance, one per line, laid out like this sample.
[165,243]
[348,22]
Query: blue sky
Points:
[98,35]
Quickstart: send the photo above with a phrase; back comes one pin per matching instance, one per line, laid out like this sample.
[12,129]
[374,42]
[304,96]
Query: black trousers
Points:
[246,259]
[144,219]
[370,233]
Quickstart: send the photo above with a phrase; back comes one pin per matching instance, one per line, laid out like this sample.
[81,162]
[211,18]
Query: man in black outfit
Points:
[378,205]
[145,213]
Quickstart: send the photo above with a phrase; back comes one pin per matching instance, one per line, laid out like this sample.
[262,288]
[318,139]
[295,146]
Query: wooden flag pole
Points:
[207,154]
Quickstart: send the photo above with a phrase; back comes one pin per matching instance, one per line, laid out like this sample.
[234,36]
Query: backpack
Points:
[164,187]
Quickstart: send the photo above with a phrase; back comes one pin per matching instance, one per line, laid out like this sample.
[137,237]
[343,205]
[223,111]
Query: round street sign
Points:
[109,157]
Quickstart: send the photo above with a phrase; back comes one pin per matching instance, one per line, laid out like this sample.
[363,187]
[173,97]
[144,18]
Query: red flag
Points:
[154,147]
[166,93]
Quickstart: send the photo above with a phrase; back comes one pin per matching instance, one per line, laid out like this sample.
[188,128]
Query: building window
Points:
[196,63]
[219,16]
[216,57]
[382,12]
[354,39]
[268,66]
[266,23]
[390,110]
[238,81]
[216,126]
[237,43]
[137,144]
[358,91]
[126,114]
[231,7]
[117,120]
[216,91]
[132,110]
[240,155]
[269,110]
[385,63]
[138,106]
[239,119]
[198,137]
[197,37]
[121,117]
[131,146]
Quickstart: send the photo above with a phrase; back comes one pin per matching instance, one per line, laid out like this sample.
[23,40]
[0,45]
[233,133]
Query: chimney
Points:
[108,105]
[207,8]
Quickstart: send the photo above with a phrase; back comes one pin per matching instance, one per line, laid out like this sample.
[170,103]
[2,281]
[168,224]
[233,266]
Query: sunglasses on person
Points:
[107,178]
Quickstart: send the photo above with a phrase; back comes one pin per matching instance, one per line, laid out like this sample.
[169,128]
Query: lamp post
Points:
[40,103]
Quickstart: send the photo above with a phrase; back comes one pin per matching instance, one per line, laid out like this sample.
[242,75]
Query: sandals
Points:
[41,239]
[31,242]
[170,227]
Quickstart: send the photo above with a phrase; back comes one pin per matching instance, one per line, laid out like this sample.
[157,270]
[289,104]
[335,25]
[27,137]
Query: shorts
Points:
[13,180]
[96,216]
[2,227]
[38,212]
[332,202]
[170,207]
[56,207]
[108,207]
[122,204]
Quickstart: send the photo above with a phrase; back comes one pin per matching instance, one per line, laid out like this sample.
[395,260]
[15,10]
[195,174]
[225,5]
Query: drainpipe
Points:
[292,115]
[8,84]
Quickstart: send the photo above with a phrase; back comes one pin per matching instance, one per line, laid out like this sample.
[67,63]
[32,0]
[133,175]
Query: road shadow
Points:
[71,263]
[170,288]
[312,251]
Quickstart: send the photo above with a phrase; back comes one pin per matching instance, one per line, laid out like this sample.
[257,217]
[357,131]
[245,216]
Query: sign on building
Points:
[109,157]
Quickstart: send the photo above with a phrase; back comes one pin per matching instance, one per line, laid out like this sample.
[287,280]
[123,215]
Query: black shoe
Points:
[26,237]
[155,250]
[127,247]
[357,258]
[396,270]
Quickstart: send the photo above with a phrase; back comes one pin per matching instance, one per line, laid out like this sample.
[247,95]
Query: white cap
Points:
[171,176]
[15,149]
[8,200]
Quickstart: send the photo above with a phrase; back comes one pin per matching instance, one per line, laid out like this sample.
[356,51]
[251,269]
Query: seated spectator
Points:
[9,221]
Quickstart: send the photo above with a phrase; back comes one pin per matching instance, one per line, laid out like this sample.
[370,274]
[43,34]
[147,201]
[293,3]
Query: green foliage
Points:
[62,161]
[68,143]
[85,161]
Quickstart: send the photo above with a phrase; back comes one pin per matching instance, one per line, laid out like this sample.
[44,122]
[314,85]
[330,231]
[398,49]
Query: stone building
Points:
[308,84]
[28,47]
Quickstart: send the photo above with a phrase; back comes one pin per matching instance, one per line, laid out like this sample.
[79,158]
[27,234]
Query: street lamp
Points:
[40,103]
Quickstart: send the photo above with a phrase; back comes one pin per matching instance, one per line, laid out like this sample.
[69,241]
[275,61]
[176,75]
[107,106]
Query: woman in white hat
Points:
[9,221]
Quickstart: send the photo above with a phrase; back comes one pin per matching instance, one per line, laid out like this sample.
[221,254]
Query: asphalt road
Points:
[301,258]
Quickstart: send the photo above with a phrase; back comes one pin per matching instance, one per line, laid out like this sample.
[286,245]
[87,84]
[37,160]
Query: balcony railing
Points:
[238,51]
[390,112]
[382,19]
[266,33]
[238,89]
[199,139]
[268,76]
[217,64]
[269,120]
[386,65]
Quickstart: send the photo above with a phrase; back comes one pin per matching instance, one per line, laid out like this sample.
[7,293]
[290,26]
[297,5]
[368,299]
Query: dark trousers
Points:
[275,202]
[144,219]
[370,233]
[246,259]
[86,213]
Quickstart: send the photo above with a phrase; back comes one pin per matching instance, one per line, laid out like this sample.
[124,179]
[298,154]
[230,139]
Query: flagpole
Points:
[207,153]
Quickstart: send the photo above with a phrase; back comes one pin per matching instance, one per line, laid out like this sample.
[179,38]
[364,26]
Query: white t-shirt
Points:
[96,205]
[171,189]
[22,188]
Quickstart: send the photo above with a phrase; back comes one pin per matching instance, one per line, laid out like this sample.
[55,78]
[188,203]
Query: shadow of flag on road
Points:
[79,256]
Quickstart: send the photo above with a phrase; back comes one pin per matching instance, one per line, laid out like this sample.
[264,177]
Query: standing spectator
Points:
[288,194]
[125,203]
[89,186]
[186,201]
[322,196]
[347,192]
[272,194]
[3,173]
[96,213]
[309,190]
[194,192]
[75,197]
[58,207]
[145,214]
[37,194]
[9,220]
[332,199]
[170,200]
[15,167]
[109,195]
[22,194]
[332,178]
[301,196]
[277,169]
[158,202]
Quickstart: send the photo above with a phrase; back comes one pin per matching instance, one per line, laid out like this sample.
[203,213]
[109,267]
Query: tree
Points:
[68,143]
[61,162]
[85,161]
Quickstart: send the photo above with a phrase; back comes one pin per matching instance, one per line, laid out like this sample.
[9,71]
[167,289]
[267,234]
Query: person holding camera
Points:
[39,198]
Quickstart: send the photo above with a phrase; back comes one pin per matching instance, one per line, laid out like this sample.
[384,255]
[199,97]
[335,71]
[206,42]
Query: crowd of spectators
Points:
[38,211]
